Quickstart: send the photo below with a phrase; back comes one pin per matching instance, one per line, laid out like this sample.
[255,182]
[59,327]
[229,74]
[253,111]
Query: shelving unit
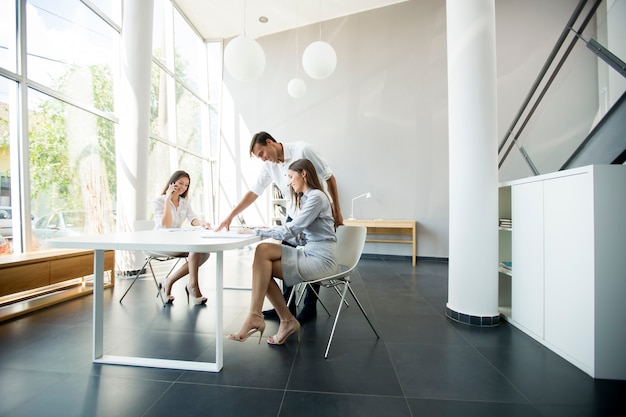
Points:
[504,252]
[566,288]
[278,207]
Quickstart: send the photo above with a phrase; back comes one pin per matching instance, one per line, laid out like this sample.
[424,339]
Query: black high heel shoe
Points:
[169,298]
[196,300]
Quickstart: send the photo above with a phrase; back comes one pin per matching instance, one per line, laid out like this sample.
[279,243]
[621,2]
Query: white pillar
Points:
[134,127]
[472,122]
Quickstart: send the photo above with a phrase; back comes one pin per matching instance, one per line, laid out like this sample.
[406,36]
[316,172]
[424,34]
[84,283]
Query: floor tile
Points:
[193,400]
[305,404]
[423,363]
[351,367]
[470,409]
[95,396]
[450,372]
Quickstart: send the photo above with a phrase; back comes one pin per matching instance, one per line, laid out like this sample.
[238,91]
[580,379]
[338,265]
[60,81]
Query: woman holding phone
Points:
[170,210]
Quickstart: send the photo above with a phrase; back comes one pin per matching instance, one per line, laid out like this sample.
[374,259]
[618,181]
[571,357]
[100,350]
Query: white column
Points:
[472,122]
[134,127]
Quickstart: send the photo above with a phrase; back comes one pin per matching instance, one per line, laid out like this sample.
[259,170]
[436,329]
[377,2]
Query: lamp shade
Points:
[296,88]
[244,58]
[319,60]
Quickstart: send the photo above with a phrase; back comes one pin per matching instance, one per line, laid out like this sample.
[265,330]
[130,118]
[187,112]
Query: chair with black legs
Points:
[142,225]
[350,244]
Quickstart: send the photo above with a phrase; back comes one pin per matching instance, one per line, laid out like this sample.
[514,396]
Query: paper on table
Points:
[224,234]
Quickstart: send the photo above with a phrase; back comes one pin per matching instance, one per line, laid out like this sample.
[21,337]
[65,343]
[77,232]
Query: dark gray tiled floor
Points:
[423,364]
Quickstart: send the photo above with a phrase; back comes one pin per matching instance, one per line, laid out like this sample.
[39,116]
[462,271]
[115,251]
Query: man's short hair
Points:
[260,138]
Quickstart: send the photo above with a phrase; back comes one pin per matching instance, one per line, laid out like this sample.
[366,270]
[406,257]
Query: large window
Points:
[72,68]
[8,91]
[72,50]
[57,122]
[8,32]
[180,126]
[58,116]
[72,169]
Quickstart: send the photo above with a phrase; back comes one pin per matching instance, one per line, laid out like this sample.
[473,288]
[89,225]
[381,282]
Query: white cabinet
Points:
[527,292]
[569,240]
[568,280]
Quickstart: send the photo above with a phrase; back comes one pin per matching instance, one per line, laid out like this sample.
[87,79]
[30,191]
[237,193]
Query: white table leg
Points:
[98,304]
[219,310]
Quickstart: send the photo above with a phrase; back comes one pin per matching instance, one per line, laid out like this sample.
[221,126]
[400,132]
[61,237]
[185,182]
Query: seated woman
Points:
[170,210]
[313,231]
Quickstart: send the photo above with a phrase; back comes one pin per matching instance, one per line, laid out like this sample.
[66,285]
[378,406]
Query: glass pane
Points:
[8,32]
[214,52]
[111,8]
[72,167]
[7,223]
[197,190]
[72,50]
[158,29]
[611,34]
[159,119]
[565,115]
[577,92]
[159,167]
[190,122]
[190,53]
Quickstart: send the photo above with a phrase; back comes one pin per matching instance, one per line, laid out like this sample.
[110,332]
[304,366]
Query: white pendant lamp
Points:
[297,87]
[243,56]
[319,58]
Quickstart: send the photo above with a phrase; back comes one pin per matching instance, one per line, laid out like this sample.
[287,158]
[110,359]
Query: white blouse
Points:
[179,215]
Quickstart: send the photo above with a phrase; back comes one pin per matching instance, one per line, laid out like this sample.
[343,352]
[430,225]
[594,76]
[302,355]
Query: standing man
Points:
[276,157]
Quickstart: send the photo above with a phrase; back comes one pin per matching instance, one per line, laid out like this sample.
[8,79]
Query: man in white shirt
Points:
[277,157]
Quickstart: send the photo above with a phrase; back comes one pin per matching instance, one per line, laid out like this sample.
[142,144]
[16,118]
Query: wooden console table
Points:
[34,280]
[389,227]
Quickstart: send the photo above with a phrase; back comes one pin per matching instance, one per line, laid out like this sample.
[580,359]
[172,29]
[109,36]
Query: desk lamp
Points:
[366,195]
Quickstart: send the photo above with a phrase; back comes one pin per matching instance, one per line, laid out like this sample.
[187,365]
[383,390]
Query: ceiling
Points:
[217,19]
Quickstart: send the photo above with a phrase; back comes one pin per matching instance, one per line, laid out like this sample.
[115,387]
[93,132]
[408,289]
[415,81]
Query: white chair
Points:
[141,225]
[350,244]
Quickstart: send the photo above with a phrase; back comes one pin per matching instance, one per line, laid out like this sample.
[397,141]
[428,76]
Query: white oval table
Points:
[180,240]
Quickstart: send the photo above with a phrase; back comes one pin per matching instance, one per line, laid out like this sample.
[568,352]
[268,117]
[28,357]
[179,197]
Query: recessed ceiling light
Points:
[263,19]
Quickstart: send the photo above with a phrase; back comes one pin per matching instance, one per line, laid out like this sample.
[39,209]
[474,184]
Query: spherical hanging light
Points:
[296,88]
[244,58]
[319,60]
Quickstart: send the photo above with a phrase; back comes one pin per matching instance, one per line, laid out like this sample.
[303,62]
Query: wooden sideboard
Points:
[35,280]
[380,227]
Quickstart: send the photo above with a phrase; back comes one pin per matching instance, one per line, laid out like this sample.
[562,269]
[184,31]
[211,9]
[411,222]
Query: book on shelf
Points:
[280,211]
[277,193]
[504,222]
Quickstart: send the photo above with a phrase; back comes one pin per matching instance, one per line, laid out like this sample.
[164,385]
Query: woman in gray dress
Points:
[312,232]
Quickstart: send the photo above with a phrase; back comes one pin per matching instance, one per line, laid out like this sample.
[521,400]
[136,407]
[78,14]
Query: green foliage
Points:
[49,161]
[103,100]
[53,174]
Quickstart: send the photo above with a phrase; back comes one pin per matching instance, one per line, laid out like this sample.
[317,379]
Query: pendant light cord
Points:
[320,20]
[243,29]
[297,45]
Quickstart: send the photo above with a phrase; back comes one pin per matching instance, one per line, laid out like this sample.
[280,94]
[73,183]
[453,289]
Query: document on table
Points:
[225,234]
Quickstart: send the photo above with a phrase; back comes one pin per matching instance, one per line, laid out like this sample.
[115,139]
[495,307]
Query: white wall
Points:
[381,118]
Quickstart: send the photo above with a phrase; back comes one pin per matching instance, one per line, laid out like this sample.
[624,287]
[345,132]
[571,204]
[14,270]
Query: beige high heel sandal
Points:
[250,332]
[196,300]
[272,339]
